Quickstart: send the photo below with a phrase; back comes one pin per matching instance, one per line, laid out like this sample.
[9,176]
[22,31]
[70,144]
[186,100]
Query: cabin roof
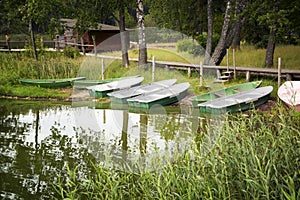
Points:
[70,23]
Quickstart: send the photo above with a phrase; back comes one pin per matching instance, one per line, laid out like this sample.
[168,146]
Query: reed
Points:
[255,157]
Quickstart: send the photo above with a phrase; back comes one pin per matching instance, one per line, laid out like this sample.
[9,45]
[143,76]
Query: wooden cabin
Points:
[107,37]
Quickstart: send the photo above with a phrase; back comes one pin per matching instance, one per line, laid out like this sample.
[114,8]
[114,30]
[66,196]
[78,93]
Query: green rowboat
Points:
[100,91]
[83,84]
[50,83]
[121,96]
[224,92]
[162,97]
[237,102]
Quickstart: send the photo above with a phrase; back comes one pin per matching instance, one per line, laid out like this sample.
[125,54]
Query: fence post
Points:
[234,64]
[7,42]
[102,68]
[42,42]
[201,74]
[57,43]
[94,42]
[153,68]
[227,60]
[248,76]
[279,72]
[82,45]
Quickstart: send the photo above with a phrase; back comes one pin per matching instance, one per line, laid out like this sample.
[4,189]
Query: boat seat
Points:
[219,94]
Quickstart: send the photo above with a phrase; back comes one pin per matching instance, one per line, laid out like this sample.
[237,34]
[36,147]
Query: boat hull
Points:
[237,102]
[101,91]
[161,102]
[163,97]
[50,83]
[289,93]
[121,96]
[83,84]
[224,92]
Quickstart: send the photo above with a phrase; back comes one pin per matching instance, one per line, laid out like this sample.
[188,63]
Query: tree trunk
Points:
[270,48]
[240,5]
[141,34]
[124,37]
[220,50]
[33,40]
[209,32]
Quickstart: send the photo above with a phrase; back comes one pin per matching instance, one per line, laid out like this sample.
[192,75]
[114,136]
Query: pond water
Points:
[39,141]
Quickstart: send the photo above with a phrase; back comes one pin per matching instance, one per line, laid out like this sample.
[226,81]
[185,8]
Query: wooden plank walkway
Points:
[269,72]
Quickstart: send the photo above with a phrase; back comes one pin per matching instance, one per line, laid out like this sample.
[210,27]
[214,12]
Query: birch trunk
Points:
[209,32]
[141,34]
[220,50]
[124,37]
[33,40]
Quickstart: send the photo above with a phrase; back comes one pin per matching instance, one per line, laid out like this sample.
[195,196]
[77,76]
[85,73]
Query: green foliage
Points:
[16,66]
[201,39]
[71,52]
[190,46]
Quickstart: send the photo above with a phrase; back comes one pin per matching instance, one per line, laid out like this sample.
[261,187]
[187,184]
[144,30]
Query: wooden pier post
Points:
[227,60]
[95,47]
[153,68]
[279,72]
[201,74]
[234,64]
[82,45]
[102,68]
[248,76]
[7,39]
[189,72]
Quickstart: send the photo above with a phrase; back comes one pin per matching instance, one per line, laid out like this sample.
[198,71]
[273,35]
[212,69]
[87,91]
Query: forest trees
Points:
[262,23]
[270,22]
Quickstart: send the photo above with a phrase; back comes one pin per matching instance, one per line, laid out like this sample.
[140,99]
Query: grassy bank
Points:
[21,65]
[68,64]
[255,157]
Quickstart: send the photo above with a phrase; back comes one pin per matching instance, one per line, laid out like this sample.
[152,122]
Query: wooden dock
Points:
[269,72]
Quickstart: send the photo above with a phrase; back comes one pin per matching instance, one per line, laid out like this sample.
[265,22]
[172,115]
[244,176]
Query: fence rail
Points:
[271,72]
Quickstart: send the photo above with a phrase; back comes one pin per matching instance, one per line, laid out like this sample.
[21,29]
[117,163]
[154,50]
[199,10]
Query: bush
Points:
[71,52]
[189,46]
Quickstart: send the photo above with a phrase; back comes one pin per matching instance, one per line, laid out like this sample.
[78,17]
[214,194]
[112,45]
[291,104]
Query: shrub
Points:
[189,46]
[71,52]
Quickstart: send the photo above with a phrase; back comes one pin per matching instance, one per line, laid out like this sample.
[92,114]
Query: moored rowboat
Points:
[289,93]
[102,90]
[121,96]
[223,92]
[50,83]
[237,102]
[83,84]
[162,97]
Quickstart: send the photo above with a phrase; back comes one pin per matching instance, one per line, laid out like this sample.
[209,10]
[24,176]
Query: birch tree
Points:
[220,49]
[209,31]
[141,34]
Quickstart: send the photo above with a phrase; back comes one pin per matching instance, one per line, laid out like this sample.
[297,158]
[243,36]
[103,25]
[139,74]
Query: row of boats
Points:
[128,90]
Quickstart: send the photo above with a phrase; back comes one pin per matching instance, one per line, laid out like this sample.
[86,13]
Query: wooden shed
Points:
[107,37]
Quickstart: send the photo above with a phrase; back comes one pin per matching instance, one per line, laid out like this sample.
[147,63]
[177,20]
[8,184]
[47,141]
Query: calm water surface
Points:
[40,140]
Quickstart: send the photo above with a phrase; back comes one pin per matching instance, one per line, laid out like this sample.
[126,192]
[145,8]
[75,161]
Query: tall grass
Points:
[251,57]
[50,65]
[256,157]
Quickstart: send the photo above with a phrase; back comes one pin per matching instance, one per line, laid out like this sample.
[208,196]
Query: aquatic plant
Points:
[257,156]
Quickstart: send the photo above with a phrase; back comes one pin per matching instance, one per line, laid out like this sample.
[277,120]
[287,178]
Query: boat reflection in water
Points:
[40,141]
[134,141]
